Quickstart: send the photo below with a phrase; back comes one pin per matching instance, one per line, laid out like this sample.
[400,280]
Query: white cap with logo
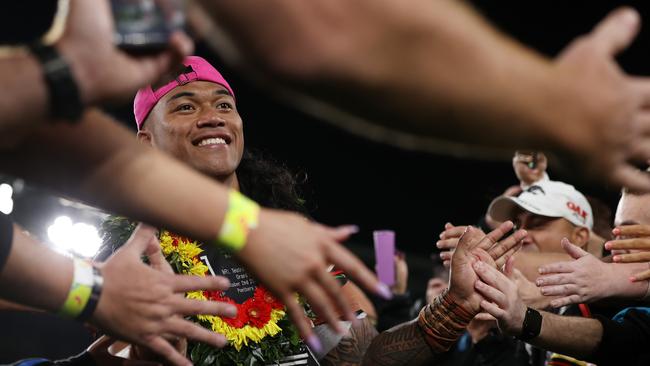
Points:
[546,198]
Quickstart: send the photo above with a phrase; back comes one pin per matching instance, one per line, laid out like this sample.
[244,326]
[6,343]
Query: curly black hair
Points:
[269,183]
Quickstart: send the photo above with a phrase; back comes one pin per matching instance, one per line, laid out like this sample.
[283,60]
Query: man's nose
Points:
[210,119]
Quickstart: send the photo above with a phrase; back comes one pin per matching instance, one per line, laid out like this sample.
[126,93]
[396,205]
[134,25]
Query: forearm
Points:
[24,105]
[34,275]
[400,345]
[572,336]
[353,346]
[426,339]
[444,62]
[101,163]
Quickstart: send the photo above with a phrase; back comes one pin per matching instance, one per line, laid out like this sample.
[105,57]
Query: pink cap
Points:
[147,98]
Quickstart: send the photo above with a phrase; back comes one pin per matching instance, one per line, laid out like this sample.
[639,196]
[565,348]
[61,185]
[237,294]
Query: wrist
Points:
[443,321]
[84,293]
[471,303]
[80,71]
[242,216]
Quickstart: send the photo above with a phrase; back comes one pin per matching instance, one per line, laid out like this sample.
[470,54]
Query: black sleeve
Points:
[625,342]
[392,312]
[6,238]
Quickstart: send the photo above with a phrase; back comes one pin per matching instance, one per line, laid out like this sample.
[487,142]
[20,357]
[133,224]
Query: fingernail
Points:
[314,343]
[442,235]
[225,282]
[608,245]
[616,231]
[616,258]
[629,17]
[543,291]
[632,279]
[230,311]
[539,282]
[384,291]
[438,243]
[352,229]
[541,270]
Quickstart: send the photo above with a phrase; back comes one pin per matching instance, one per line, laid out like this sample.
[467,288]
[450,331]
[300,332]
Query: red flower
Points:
[239,321]
[258,312]
[261,294]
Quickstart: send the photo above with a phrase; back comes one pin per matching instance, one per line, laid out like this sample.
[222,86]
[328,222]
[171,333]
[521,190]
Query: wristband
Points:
[91,305]
[84,292]
[64,98]
[242,216]
[80,290]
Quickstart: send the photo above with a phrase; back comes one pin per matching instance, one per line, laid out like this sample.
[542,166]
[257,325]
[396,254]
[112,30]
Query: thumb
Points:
[615,33]
[141,239]
[573,250]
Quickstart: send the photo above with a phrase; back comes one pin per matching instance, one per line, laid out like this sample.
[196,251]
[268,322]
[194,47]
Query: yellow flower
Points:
[238,337]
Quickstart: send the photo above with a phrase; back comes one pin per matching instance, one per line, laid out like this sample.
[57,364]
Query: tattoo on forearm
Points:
[401,345]
[352,348]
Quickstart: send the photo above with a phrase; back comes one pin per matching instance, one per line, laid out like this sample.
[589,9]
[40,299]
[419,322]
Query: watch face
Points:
[532,325]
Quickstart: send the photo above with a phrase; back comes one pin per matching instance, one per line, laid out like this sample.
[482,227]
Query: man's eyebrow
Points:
[180,95]
[222,92]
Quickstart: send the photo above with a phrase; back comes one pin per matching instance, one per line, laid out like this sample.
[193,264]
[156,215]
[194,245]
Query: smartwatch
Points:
[532,325]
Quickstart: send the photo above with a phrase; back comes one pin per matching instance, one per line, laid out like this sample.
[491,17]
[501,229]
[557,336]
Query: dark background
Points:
[355,181]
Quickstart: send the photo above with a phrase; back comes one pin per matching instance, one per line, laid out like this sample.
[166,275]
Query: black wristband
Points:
[64,98]
[532,325]
[91,305]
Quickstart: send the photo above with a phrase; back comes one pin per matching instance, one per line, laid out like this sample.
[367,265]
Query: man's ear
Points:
[144,136]
[580,237]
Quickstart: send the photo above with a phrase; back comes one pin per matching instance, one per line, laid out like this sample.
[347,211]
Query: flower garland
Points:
[253,324]
[256,318]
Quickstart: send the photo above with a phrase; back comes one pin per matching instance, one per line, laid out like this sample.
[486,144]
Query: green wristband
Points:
[80,290]
[242,216]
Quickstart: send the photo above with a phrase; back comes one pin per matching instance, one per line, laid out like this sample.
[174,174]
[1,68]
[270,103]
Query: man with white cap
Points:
[549,211]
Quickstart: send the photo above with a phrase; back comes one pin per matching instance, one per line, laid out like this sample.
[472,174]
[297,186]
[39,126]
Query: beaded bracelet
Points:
[443,322]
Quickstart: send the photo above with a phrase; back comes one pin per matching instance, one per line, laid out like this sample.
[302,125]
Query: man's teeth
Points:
[212,141]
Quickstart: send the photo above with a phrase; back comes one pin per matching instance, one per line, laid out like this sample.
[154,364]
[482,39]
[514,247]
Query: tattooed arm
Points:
[401,345]
[353,346]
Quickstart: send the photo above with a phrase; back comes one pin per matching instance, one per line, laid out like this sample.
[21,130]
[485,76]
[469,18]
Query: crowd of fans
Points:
[210,256]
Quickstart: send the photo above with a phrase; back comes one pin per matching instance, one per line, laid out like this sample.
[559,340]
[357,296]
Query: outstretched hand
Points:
[475,246]
[143,305]
[585,279]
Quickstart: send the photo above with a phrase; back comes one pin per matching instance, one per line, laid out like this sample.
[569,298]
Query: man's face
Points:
[544,233]
[198,123]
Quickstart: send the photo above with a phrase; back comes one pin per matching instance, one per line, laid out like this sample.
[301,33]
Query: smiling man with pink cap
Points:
[193,117]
